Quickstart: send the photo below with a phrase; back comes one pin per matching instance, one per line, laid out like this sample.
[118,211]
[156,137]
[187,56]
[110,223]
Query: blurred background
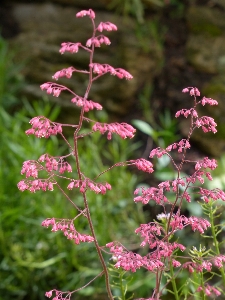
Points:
[166,45]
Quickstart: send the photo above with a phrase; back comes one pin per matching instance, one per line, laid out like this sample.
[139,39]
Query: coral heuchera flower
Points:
[160,237]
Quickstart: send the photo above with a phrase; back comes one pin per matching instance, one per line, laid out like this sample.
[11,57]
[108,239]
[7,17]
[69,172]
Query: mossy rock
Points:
[206,20]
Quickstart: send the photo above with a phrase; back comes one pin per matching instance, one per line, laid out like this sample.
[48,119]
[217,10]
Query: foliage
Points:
[136,8]
[133,7]
[11,80]
[32,257]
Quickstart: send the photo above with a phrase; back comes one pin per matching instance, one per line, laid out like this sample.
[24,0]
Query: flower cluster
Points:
[31,167]
[69,47]
[214,194]
[176,183]
[142,164]
[90,13]
[102,69]
[192,90]
[35,185]
[206,163]
[149,233]
[59,295]
[68,229]
[186,113]
[130,261]
[209,101]
[124,130]
[158,152]
[108,26]
[198,175]
[219,260]
[51,163]
[98,40]
[198,266]
[43,127]
[209,290]
[89,184]
[151,193]
[53,88]
[180,146]
[88,104]
[207,124]
[178,222]
[64,73]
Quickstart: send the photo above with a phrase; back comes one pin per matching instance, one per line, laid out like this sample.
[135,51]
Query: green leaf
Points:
[144,127]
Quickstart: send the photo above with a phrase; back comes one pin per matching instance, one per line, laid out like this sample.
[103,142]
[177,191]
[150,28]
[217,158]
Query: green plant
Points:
[127,7]
[28,262]
[11,80]
[163,255]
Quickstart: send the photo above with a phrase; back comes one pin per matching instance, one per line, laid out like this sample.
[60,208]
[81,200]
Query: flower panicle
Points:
[97,41]
[124,130]
[83,13]
[35,185]
[87,104]
[108,26]
[43,127]
[68,229]
[53,88]
[31,167]
[59,295]
[83,185]
[102,69]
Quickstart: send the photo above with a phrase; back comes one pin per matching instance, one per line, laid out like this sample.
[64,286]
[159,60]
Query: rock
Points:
[206,43]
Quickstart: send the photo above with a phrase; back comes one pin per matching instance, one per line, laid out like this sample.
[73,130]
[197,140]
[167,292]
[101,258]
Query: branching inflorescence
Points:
[165,253]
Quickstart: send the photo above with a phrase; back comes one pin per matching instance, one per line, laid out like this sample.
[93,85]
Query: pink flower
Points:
[158,152]
[49,294]
[142,164]
[106,26]
[151,193]
[102,69]
[42,127]
[22,186]
[219,260]
[183,144]
[186,113]
[209,101]
[70,47]
[122,129]
[209,290]
[207,124]
[84,13]
[206,163]
[176,263]
[193,91]
[88,104]
[54,88]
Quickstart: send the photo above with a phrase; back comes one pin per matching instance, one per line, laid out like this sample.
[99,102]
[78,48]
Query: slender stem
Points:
[98,249]
[173,282]
[76,154]
[179,168]
[216,243]
[202,284]
[123,293]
